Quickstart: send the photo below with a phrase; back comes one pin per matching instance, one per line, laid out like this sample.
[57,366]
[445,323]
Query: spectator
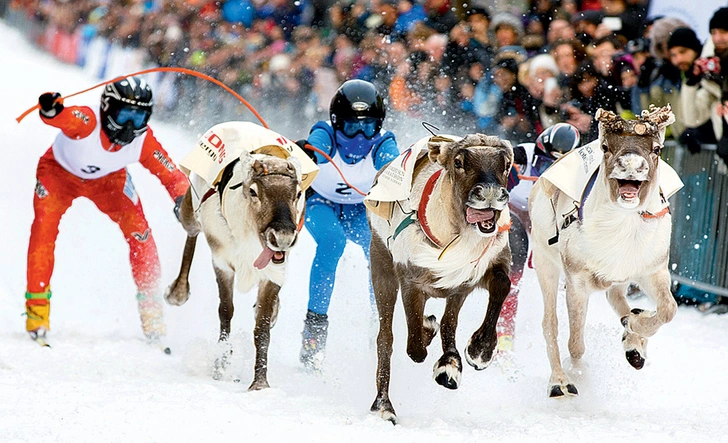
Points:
[440,16]
[706,90]
[507,30]
[517,114]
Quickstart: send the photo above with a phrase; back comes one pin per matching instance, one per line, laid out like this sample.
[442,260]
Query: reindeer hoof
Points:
[557,391]
[479,359]
[635,359]
[176,294]
[384,409]
[447,371]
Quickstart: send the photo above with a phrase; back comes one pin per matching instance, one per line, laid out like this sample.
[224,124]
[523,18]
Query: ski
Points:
[42,341]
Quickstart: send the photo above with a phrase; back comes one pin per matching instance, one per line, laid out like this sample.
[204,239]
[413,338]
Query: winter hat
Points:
[686,38]
[543,61]
[507,19]
[719,20]
[508,64]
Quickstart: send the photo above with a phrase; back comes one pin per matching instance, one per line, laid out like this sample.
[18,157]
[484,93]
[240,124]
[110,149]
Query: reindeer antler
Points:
[611,121]
[659,116]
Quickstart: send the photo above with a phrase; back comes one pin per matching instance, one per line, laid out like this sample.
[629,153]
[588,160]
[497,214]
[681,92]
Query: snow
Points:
[101,382]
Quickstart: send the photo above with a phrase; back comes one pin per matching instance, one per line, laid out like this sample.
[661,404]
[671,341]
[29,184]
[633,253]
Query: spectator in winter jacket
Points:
[88,159]
[705,92]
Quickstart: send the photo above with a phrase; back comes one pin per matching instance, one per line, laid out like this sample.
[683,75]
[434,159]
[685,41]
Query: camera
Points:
[709,65]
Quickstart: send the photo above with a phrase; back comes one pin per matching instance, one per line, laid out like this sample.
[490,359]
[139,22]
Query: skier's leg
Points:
[322,222]
[507,321]
[357,230]
[117,198]
[54,193]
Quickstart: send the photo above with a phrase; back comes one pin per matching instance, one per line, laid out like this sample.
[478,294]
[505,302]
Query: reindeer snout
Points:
[631,167]
[488,196]
[281,238]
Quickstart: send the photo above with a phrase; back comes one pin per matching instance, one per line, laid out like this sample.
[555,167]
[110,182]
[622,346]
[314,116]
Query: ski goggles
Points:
[138,117]
[540,164]
[367,126]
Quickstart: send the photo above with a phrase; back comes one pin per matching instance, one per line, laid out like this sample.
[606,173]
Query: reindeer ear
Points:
[437,146]
[245,165]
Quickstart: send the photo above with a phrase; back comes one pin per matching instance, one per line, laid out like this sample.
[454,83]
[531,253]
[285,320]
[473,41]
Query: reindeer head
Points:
[632,153]
[261,199]
[477,167]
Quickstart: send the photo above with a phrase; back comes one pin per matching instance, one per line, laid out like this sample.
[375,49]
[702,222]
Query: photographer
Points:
[705,92]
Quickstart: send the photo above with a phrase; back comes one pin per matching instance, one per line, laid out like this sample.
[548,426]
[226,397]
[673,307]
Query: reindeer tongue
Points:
[264,258]
[473,215]
[628,191]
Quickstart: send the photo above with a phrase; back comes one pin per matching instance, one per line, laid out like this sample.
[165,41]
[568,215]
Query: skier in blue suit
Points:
[335,212]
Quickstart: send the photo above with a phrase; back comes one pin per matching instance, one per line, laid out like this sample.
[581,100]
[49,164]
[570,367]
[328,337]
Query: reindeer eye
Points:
[458,163]
[298,195]
[605,148]
[656,149]
[253,193]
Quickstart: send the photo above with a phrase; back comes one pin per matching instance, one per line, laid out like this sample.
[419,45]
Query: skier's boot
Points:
[38,311]
[315,329]
[152,316]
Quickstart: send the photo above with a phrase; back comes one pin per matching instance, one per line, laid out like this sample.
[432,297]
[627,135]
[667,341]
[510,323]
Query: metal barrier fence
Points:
[699,250]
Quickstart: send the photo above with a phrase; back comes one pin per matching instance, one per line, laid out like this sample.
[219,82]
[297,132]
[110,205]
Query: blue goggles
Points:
[367,126]
[138,117]
[540,164]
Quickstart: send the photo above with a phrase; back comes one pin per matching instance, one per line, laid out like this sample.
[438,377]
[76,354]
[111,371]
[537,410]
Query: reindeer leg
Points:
[414,309]
[449,367]
[385,285]
[179,291]
[634,344]
[577,302]
[645,324]
[482,343]
[225,279]
[266,304]
[548,278]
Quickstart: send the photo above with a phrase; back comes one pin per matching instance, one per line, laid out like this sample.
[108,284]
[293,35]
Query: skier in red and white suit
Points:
[89,159]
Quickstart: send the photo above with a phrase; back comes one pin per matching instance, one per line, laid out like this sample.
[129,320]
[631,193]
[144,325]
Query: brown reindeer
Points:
[617,232]
[250,221]
[459,242]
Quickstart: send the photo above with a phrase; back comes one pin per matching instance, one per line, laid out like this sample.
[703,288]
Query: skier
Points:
[88,159]
[531,160]
[335,212]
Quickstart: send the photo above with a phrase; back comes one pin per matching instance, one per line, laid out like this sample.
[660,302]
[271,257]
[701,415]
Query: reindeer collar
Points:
[422,208]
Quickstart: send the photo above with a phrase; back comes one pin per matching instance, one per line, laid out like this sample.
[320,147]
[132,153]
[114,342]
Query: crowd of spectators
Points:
[509,72]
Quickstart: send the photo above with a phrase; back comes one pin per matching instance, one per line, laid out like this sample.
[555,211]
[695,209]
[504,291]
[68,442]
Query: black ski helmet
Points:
[126,106]
[559,138]
[356,99]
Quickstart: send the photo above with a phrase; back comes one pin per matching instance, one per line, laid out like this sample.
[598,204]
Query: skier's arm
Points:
[385,153]
[158,162]
[76,122]
[322,140]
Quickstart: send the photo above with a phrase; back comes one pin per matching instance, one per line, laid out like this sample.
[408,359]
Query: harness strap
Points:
[585,194]
[421,217]
[410,219]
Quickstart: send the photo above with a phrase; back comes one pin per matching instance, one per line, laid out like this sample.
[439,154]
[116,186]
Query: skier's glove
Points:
[177,205]
[303,144]
[51,104]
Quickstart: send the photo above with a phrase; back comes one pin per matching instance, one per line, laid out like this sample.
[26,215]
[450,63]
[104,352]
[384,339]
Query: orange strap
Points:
[665,211]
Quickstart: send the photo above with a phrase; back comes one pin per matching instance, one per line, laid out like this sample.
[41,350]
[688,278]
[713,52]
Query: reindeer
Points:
[617,233]
[250,221]
[459,190]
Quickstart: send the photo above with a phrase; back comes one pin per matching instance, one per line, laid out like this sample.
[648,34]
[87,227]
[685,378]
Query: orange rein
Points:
[162,69]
